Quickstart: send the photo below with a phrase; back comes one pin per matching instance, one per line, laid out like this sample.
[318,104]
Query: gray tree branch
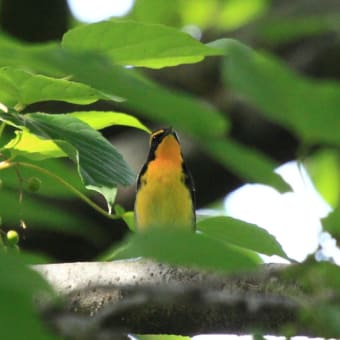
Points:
[140,296]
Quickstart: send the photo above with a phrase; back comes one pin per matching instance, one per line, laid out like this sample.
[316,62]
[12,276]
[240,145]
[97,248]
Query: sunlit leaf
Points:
[324,168]
[242,234]
[137,44]
[102,119]
[28,145]
[100,166]
[127,216]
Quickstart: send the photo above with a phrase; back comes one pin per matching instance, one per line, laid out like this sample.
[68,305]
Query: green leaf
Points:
[245,162]
[138,44]
[144,96]
[240,233]
[102,119]
[20,88]
[28,145]
[187,249]
[150,100]
[127,216]
[332,224]
[99,162]
[323,166]
[129,219]
[110,195]
[100,166]
[18,286]
[308,108]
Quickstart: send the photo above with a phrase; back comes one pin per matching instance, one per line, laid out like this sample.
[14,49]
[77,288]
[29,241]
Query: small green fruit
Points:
[34,184]
[12,238]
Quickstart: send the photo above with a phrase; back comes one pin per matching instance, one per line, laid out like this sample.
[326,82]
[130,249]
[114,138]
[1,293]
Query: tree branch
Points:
[140,296]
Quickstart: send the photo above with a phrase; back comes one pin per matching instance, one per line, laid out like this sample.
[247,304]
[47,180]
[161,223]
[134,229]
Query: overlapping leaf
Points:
[101,167]
[29,145]
[187,249]
[147,98]
[20,88]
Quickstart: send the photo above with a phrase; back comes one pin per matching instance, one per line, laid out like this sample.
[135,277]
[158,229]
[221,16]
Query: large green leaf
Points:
[100,166]
[308,108]
[20,88]
[18,286]
[138,44]
[188,249]
[28,145]
[147,98]
[242,234]
[245,162]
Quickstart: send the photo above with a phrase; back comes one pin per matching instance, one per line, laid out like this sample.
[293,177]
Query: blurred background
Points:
[304,33]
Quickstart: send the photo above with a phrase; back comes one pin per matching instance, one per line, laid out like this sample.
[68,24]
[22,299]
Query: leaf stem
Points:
[65,184]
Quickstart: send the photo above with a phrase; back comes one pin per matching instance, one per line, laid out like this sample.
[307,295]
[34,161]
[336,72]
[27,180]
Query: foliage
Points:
[90,64]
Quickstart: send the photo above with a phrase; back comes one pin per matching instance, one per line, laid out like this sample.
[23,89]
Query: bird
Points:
[165,196]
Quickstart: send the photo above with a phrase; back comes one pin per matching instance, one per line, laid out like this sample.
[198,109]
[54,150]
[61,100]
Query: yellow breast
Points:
[163,200]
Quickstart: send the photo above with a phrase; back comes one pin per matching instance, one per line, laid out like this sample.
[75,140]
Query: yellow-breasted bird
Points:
[165,190]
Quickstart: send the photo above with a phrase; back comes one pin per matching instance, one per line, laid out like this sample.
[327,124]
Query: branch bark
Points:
[141,296]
